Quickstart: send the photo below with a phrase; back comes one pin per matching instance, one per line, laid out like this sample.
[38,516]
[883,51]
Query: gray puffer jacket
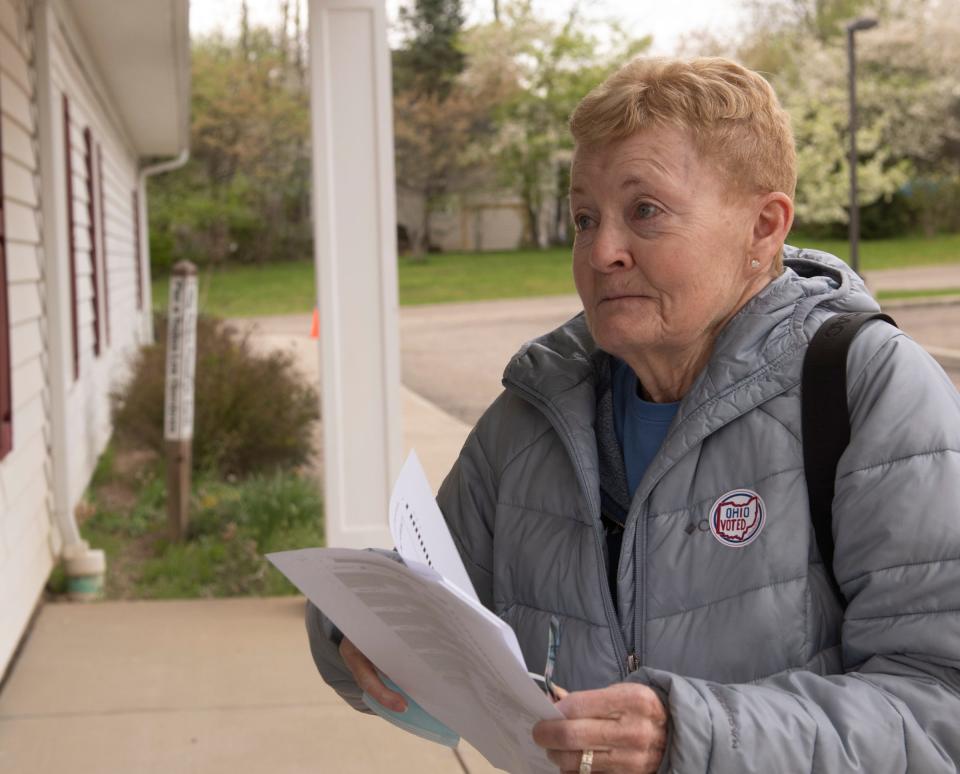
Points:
[760,667]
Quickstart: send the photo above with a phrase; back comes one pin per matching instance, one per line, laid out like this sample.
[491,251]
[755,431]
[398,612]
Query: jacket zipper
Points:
[627,662]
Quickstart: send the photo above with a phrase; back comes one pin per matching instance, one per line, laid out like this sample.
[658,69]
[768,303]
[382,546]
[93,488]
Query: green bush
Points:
[231,528]
[233,524]
[252,412]
[936,199]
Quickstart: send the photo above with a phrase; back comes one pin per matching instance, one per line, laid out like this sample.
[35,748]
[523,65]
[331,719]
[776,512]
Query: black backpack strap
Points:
[825,422]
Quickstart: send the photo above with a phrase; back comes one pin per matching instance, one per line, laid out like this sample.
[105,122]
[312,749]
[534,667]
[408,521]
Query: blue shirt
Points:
[640,425]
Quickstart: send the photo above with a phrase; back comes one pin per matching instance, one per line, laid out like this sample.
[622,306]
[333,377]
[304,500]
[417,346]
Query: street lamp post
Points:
[852,28]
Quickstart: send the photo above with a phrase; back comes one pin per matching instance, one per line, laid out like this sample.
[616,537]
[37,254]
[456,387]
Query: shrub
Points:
[252,412]
[231,528]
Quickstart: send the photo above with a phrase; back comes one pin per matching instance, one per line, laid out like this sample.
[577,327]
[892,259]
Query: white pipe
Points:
[54,231]
[165,166]
[144,226]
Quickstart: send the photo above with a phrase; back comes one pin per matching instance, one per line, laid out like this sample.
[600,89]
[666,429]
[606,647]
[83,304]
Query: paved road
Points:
[915,278]
[454,354]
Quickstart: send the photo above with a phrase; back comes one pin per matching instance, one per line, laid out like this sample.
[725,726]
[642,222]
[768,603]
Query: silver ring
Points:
[586,762]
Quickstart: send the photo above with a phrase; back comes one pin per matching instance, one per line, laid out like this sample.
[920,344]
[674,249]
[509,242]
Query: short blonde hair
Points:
[732,113]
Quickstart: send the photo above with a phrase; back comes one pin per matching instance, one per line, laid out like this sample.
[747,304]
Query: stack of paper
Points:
[422,624]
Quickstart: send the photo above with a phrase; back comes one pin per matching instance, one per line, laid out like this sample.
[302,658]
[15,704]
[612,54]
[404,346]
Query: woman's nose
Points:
[611,249]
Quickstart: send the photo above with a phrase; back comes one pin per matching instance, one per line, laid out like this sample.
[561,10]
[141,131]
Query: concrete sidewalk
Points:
[199,687]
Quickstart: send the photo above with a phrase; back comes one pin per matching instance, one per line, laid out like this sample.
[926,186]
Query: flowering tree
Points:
[908,101]
[550,66]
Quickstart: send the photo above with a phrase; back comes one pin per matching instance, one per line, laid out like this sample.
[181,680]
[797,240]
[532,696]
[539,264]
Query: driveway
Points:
[454,354]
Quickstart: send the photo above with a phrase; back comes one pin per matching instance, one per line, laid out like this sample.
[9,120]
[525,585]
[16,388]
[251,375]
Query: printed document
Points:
[429,633]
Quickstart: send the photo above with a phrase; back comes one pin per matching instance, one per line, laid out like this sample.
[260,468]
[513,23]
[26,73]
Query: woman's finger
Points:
[639,761]
[581,734]
[365,674]
[614,700]
[559,693]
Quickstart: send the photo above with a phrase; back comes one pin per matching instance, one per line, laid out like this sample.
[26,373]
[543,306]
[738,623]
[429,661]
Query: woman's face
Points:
[660,258]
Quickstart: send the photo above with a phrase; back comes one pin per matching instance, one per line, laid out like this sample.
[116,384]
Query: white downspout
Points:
[165,166]
[144,228]
[85,567]
[65,536]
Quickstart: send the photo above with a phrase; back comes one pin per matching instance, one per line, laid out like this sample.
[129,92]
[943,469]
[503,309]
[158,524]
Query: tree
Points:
[438,115]
[908,96]
[552,67]
[437,146]
[244,194]
[431,59]
[820,116]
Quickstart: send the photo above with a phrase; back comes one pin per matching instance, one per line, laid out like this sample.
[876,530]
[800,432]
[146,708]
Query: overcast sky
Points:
[667,21]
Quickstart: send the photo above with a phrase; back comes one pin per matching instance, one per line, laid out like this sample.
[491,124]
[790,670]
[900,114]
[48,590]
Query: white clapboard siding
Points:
[105,292]
[12,63]
[25,474]
[25,303]
[27,568]
[30,498]
[120,252]
[17,142]
[88,407]
[16,101]
[21,222]
[29,419]
[26,343]
[22,263]
[10,26]
[18,183]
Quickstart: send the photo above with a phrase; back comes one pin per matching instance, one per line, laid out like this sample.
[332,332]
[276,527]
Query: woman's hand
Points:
[625,725]
[365,673]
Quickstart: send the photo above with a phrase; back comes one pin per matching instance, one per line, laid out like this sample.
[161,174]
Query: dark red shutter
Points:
[71,239]
[6,397]
[137,253]
[94,259]
[103,242]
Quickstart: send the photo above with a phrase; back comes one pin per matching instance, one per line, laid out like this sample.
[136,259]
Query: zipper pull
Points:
[633,663]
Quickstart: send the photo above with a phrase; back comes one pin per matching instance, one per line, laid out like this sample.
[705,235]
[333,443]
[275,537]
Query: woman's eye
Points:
[582,222]
[646,211]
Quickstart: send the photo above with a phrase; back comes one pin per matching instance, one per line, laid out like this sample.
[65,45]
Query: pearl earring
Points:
[755,264]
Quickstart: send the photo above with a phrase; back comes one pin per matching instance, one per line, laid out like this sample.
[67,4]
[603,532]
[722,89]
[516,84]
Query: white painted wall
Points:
[87,408]
[60,424]
[475,222]
[25,473]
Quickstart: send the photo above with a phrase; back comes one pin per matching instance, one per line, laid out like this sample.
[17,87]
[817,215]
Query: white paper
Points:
[450,654]
[419,530]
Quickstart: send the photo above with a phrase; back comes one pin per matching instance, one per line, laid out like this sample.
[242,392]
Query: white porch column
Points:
[354,214]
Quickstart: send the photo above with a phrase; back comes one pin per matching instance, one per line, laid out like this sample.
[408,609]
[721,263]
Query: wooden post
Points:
[178,401]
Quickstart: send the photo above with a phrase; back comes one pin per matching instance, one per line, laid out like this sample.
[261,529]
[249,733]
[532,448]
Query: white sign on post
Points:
[181,357]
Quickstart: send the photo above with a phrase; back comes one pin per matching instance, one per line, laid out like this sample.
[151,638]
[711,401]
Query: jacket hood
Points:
[758,355]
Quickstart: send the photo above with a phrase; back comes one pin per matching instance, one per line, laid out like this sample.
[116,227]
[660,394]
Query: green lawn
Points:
[288,288]
[891,295]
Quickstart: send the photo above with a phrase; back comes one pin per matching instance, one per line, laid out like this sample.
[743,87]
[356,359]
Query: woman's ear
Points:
[771,226]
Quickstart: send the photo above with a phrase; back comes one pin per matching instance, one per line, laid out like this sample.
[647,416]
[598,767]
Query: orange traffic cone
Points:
[315,327]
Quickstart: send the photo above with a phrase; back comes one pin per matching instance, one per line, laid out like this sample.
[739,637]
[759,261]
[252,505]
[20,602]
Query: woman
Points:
[589,489]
